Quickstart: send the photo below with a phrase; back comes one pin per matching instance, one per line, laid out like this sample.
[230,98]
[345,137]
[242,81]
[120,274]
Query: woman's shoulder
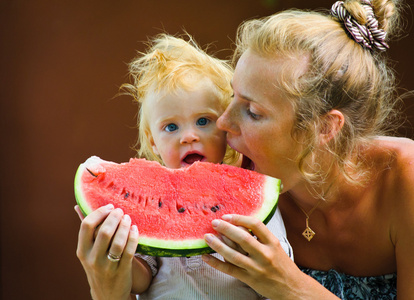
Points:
[395,142]
[399,150]
[393,160]
[399,194]
[397,180]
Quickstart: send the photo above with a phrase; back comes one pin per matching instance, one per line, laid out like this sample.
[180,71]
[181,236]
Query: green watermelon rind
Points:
[80,199]
[181,248]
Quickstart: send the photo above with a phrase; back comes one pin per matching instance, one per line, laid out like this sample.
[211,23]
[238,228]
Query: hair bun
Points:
[368,35]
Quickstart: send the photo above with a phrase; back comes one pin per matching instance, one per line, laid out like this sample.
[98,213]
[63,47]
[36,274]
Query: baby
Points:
[182,91]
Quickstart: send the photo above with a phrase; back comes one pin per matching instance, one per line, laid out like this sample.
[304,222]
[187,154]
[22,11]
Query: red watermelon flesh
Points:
[173,208]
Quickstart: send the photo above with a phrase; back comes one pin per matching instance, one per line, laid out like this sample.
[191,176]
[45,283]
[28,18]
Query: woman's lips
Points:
[247,163]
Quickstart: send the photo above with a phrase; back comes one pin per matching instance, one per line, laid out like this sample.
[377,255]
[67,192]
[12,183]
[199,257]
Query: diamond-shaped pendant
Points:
[308,233]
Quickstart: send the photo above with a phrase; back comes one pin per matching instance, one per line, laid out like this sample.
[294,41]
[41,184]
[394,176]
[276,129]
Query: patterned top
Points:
[359,288]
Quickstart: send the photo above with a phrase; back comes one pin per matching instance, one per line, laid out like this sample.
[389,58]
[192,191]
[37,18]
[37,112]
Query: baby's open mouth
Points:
[192,158]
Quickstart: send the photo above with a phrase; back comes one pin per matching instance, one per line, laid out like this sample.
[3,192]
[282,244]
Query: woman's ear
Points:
[332,124]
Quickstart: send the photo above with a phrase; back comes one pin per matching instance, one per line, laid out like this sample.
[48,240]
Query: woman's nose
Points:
[189,136]
[228,121]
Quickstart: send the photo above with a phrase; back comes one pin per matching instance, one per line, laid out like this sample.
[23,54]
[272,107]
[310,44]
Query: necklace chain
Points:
[308,214]
[308,233]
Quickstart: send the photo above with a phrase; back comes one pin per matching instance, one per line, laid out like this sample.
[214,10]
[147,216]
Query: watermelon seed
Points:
[94,175]
[159,204]
[215,208]
[181,210]
[126,195]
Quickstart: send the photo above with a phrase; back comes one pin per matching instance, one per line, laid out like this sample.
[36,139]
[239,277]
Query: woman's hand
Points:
[108,279]
[263,264]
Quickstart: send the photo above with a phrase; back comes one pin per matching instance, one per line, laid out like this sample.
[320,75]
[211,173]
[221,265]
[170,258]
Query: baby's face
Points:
[183,126]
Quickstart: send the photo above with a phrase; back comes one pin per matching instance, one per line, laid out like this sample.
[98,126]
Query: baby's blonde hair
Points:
[169,64]
[340,74]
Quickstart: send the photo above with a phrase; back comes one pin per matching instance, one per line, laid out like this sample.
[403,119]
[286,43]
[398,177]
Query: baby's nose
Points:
[189,136]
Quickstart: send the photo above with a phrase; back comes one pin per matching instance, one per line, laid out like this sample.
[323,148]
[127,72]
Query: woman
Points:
[312,98]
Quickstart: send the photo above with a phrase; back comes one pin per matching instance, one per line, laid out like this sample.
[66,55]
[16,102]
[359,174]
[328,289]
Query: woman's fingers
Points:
[265,262]
[257,227]
[232,244]
[107,232]
[131,246]
[222,266]
[88,227]
[244,242]
[237,261]
[114,234]
[120,237]
[233,256]
[239,235]
[79,212]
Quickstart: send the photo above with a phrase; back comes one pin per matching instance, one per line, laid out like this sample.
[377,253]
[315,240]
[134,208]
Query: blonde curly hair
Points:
[340,75]
[171,63]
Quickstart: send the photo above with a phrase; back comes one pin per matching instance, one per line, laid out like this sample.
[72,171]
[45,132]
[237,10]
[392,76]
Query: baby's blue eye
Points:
[171,127]
[202,122]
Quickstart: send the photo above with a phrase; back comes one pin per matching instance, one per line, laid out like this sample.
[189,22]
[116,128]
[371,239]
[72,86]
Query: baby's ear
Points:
[155,150]
[151,140]
[332,124]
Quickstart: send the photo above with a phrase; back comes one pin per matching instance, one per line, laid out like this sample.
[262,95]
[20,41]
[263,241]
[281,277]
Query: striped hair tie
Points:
[367,35]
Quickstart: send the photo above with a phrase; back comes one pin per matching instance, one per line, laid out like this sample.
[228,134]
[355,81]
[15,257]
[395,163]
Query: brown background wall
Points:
[61,65]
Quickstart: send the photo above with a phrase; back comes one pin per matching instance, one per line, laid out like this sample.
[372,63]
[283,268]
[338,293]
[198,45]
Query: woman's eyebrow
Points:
[244,97]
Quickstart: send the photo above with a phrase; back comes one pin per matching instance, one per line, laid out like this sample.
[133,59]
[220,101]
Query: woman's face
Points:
[260,118]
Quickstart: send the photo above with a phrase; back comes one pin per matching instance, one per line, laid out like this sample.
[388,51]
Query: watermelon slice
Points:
[173,208]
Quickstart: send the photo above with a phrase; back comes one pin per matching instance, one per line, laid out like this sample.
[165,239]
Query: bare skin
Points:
[366,231]
[360,230]
[105,229]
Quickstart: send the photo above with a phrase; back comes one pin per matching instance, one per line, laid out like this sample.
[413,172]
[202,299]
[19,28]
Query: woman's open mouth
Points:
[247,163]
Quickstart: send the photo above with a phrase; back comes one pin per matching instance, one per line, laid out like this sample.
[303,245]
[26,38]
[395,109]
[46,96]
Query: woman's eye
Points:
[171,127]
[202,121]
[253,115]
